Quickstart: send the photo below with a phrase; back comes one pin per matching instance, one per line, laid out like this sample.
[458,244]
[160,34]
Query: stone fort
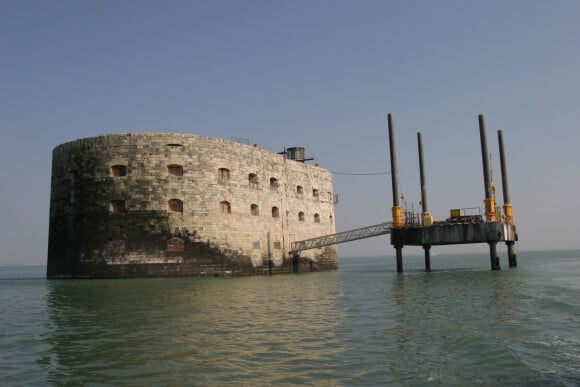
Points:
[162,204]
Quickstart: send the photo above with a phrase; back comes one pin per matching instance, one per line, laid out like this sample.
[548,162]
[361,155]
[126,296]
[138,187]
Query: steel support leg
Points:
[399,250]
[427,249]
[513,262]
[493,255]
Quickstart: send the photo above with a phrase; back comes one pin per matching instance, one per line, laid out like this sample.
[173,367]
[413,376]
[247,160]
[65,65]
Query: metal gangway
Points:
[341,237]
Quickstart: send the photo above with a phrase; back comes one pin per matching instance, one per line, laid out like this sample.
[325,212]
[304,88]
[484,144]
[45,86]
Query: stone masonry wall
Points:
[158,204]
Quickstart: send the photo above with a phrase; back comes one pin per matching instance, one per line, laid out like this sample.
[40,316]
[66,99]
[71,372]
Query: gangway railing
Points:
[341,237]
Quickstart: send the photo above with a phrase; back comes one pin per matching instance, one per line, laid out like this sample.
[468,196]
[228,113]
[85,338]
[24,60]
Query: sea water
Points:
[365,324]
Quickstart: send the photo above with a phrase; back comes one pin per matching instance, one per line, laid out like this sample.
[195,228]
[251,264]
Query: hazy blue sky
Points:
[318,74]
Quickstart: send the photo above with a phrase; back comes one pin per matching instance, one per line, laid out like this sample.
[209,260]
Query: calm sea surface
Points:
[362,325]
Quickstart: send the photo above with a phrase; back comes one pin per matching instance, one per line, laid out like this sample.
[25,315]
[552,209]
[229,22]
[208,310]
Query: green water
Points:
[363,325]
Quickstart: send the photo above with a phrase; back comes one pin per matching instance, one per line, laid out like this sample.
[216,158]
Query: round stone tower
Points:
[160,204]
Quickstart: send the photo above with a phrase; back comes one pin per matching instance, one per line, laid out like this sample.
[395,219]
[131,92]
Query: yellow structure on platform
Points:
[397,217]
[490,215]
[507,211]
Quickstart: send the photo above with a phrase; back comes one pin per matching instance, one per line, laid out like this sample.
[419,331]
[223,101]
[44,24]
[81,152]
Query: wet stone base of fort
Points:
[187,269]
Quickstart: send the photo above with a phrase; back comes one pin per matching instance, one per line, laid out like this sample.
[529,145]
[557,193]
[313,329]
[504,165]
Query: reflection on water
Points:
[363,325]
[271,329]
[458,327]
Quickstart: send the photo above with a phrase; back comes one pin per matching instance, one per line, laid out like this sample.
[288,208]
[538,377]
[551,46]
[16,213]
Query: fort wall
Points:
[161,204]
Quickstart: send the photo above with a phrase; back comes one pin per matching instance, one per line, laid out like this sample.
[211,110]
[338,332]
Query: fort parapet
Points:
[161,204]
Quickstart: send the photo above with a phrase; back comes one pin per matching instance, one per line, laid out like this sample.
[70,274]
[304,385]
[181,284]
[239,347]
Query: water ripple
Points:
[363,325]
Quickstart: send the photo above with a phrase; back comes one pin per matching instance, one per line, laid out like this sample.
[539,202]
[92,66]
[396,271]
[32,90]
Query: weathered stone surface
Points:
[160,204]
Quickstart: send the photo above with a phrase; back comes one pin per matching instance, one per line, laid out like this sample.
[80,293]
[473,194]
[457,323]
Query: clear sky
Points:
[318,74]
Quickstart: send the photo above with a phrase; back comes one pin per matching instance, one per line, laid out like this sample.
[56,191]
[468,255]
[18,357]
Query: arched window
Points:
[225,207]
[299,190]
[253,180]
[301,216]
[315,193]
[223,175]
[316,218]
[175,205]
[119,170]
[254,210]
[273,183]
[275,212]
[117,206]
[175,170]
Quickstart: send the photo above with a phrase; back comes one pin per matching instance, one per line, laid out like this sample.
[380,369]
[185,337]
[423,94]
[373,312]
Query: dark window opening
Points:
[316,218]
[119,170]
[174,145]
[275,212]
[299,190]
[273,183]
[223,175]
[175,170]
[301,216]
[117,206]
[225,207]
[254,210]
[253,180]
[175,205]
[315,193]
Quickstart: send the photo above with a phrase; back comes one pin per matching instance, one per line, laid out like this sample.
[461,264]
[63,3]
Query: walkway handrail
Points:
[341,237]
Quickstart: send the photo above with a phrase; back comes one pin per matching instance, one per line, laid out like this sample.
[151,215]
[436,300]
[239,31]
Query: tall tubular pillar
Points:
[396,210]
[425,217]
[422,175]
[489,200]
[507,204]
